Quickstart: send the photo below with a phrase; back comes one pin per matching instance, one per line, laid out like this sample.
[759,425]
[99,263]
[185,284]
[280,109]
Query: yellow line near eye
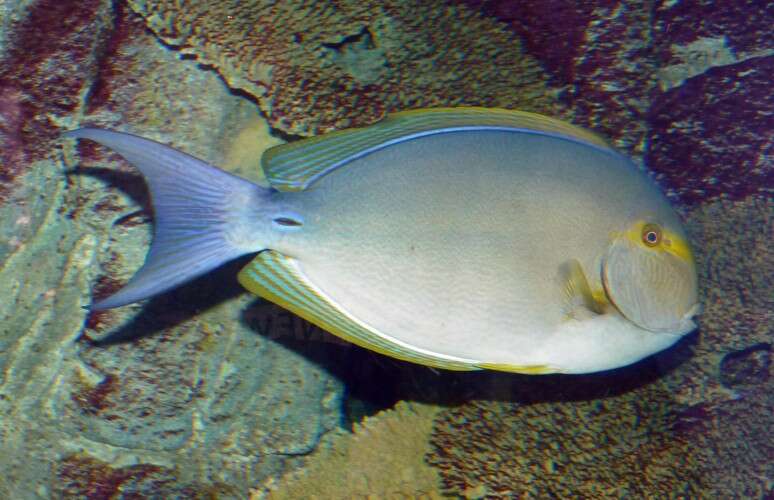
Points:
[677,246]
[669,242]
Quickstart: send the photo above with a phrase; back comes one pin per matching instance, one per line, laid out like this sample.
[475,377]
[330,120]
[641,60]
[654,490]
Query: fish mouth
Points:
[687,322]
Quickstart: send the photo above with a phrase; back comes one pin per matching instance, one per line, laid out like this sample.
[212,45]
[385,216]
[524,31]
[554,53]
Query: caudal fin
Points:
[202,215]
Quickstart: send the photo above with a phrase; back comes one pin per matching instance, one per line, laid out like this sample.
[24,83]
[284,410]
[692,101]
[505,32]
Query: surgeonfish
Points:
[458,238]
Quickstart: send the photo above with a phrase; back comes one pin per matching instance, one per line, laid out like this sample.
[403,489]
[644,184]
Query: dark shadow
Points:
[181,304]
[374,382]
[130,183]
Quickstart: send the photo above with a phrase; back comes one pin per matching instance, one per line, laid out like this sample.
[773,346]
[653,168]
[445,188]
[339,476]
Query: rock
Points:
[183,393]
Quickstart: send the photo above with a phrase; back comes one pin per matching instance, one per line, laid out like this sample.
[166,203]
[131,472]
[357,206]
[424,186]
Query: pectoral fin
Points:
[580,301]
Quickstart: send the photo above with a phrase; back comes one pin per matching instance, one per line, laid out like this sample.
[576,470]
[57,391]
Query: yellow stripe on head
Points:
[677,246]
[655,237]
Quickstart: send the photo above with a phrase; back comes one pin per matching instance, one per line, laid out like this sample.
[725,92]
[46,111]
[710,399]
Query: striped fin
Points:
[277,278]
[523,369]
[296,165]
[200,215]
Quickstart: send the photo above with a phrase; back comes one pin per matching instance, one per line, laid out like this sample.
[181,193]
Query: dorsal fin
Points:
[296,165]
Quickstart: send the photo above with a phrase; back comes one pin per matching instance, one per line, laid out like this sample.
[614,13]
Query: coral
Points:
[732,246]
[745,25]
[82,476]
[553,30]
[382,458]
[590,449]
[315,67]
[692,97]
[596,53]
[613,77]
[735,259]
[709,123]
[640,444]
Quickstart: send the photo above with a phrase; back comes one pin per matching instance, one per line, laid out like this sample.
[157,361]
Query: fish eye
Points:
[651,234]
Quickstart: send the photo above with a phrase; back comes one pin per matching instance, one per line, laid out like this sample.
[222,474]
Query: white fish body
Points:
[461,238]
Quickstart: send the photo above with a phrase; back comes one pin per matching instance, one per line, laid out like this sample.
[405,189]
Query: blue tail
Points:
[204,216]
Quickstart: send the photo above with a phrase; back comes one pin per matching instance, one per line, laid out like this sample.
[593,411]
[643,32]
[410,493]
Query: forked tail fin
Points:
[204,216]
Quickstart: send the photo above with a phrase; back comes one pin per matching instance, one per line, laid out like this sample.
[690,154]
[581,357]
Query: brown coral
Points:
[640,445]
[383,458]
[83,476]
[317,66]
[733,241]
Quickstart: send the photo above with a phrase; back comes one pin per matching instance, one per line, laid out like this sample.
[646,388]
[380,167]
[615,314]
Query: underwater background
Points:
[209,392]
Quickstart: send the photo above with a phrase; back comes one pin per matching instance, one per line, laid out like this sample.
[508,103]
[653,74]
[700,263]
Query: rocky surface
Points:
[189,393]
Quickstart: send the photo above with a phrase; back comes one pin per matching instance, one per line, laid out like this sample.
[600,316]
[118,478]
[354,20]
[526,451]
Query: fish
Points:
[458,238]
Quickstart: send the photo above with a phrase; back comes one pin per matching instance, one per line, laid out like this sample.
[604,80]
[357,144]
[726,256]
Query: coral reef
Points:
[735,259]
[80,476]
[554,31]
[382,458]
[210,392]
[315,67]
[709,122]
[39,85]
[692,97]
[596,53]
[591,449]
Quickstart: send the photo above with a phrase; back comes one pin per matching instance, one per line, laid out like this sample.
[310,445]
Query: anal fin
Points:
[279,279]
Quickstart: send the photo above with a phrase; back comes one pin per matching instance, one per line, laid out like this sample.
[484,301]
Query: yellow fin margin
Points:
[275,277]
[296,165]
[523,369]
